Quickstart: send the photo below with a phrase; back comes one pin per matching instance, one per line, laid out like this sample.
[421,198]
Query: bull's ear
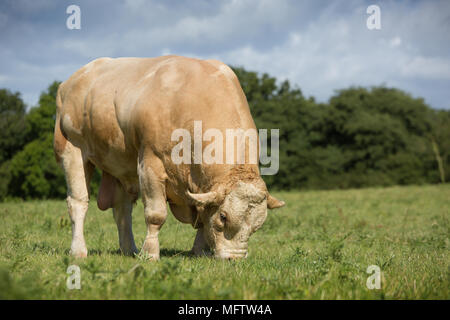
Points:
[273,203]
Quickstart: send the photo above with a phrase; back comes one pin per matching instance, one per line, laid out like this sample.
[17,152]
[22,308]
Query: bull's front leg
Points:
[152,185]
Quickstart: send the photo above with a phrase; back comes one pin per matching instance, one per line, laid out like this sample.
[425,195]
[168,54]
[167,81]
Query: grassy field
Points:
[317,247]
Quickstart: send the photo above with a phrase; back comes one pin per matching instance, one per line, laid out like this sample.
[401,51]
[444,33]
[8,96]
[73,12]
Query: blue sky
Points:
[320,46]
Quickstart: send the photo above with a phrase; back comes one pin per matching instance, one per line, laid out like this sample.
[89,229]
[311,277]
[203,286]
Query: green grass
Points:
[317,247]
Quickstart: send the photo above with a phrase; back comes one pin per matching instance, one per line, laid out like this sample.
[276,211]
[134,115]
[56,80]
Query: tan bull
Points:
[118,115]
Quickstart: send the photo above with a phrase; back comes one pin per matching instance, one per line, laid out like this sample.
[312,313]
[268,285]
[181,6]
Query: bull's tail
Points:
[59,140]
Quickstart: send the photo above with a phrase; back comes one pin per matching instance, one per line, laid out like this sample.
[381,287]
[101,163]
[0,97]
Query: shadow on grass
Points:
[165,252]
[100,252]
[91,252]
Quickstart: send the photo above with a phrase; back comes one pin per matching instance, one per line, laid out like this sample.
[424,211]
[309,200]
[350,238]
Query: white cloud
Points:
[332,53]
[3,78]
[3,20]
[395,42]
[321,47]
[427,68]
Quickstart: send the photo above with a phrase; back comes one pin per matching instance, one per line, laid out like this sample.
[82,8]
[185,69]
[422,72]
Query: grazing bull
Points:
[119,114]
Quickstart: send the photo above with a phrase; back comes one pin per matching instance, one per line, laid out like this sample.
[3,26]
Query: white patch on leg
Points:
[77,213]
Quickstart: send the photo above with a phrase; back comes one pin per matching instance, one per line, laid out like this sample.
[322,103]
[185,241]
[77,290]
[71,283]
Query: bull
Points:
[118,115]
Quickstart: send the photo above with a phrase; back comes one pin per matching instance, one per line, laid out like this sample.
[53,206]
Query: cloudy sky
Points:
[320,46]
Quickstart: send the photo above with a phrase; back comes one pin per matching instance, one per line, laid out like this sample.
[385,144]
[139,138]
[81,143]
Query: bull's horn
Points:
[273,202]
[202,198]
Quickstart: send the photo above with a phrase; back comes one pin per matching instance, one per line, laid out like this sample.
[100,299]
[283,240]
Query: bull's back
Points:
[110,108]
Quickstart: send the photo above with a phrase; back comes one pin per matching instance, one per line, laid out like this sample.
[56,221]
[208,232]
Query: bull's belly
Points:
[114,159]
[120,165]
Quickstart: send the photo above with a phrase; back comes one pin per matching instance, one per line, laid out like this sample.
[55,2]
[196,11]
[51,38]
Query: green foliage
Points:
[317,247]
[41,119]
[34,171]
[379,134]
[12,124]
[5,178]
[12,134]
[440,135]
[363,137]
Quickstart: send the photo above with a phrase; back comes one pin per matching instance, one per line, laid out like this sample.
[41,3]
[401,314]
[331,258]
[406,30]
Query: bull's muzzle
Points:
[232,254]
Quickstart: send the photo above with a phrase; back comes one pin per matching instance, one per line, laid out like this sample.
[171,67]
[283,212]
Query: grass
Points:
[317,247]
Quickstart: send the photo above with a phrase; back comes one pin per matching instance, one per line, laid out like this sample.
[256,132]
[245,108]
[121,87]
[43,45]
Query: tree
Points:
[12,135]
[381,134]
[34,172]
[12,124]
[440,141]
[41,119]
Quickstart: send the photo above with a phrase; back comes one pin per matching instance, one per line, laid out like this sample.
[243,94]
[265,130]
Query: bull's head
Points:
[229,220]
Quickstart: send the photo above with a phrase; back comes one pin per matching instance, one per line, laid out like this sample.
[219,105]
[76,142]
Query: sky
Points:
[319,46]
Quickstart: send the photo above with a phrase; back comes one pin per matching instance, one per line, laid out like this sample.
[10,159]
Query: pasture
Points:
[317,247]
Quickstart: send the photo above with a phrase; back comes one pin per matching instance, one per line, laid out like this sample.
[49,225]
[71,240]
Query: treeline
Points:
[362,137]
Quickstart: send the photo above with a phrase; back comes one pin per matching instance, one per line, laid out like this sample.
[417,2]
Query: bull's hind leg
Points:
[152,185]
[78,173]
[123,207]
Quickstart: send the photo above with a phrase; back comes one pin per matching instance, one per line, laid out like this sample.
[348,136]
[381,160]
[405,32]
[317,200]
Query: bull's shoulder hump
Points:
[92,66]
[174,63]
[103,65]
[222,68]
[83,75]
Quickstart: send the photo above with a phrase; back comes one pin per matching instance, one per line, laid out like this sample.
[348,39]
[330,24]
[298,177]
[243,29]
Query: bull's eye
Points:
[223,217]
